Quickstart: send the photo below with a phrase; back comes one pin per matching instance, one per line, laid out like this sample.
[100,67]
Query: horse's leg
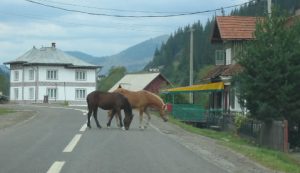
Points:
[89,117]
[118,121]
[120,118]
[141,118]
[109,114]
[112,114]
[95,117]
[148,117]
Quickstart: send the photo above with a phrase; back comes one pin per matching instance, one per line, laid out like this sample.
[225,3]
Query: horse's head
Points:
[127,121]
[163,114]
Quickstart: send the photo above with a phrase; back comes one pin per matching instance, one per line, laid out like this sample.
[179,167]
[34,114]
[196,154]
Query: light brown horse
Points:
[141,100]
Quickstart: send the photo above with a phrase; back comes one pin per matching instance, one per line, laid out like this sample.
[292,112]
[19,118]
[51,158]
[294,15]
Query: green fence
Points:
[196,113]
[189,112]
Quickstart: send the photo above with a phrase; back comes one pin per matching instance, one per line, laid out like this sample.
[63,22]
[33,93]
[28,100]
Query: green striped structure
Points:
[189,112]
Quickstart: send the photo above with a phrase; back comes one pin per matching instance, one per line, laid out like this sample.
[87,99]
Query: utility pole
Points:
[269,8]
[191,62]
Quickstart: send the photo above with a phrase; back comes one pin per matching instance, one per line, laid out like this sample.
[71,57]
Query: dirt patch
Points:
[14,118]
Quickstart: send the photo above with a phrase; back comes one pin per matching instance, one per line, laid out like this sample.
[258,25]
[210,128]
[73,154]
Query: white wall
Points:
[63,93]
[64,75]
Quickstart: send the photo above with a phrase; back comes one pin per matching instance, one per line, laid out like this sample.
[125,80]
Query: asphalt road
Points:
[56,140]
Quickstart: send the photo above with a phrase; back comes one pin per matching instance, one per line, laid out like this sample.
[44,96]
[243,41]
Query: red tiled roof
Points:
[234,28]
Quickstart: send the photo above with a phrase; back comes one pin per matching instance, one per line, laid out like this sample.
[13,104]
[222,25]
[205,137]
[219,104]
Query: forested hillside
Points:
[173,57]
[4,80]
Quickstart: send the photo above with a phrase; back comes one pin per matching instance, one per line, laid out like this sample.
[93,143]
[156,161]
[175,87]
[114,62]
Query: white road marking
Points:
[72,144]
[156,128]
[56,167]
[83,128]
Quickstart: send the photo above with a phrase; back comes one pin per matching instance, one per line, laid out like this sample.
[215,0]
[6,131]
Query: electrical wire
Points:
[132,27]
[110,9]
[136,16]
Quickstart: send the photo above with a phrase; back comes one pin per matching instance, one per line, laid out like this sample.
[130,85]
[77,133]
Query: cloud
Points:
[24,24]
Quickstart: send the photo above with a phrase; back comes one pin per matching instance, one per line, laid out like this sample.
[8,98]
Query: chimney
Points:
[53,45]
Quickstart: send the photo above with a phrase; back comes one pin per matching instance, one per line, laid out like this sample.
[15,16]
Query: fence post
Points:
[286,137]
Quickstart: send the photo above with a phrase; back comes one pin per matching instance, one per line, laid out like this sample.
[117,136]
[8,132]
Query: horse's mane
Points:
[161,100]
[120,89]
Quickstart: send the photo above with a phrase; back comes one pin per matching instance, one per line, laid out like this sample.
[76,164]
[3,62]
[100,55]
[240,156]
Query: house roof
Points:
[234,28]
[223,70]
[50,55]
[135,82]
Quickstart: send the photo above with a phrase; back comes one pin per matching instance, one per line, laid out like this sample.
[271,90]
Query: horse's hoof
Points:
[123,128]
[89,126]
[99,127]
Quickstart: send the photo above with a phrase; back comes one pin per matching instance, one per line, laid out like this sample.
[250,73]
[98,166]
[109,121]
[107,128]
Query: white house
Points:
[49,72]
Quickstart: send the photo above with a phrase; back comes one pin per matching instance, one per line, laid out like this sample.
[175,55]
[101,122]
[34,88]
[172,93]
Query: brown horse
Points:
[109,101]
[141,100]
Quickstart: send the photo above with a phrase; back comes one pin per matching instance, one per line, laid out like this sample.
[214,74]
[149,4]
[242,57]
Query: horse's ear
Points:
[120,86]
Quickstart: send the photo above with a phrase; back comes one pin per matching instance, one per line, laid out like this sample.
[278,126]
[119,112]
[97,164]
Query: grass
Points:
[5,111]
[275,160]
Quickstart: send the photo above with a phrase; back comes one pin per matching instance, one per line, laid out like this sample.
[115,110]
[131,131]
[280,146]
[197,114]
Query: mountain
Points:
[4,69]
[133,58]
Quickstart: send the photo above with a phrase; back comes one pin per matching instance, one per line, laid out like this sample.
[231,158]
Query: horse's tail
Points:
[88,102]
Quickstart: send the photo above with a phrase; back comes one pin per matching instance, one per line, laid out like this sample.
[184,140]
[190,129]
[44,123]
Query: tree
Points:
[114,75]
[271,70]
[4,84]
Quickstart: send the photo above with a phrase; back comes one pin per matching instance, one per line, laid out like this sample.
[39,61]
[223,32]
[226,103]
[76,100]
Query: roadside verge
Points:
[242,155]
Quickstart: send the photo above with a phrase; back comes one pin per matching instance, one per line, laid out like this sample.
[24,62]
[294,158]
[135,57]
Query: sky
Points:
[25,24]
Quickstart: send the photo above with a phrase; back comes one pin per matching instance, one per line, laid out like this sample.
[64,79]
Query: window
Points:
[52,74]
[80,94]
[31,93]
[228,56]
[220,57]
[16,92]
[16,75]
[31,74]
[52,93]
[80,75]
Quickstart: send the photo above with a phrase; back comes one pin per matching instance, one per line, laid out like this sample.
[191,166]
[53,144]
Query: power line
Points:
[132,27]
[110,9]
[136,16]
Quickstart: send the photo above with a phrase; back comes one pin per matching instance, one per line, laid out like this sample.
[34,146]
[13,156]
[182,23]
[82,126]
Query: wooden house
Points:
[231,32]
[152,82]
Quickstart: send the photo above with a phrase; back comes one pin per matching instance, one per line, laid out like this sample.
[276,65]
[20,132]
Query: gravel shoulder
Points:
[16,117]
[209,149]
